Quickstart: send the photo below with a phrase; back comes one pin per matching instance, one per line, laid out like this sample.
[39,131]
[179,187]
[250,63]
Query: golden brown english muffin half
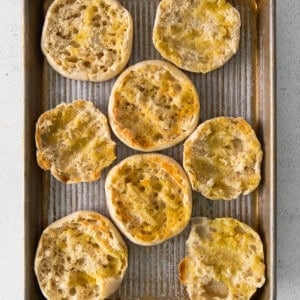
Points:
[153,106]
[222,158]
[73,142]
[225,260]
[149,198]
[81,256]
[87,39]
[197,35]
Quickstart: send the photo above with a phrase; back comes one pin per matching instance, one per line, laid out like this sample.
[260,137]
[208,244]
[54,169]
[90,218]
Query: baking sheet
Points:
[243,87]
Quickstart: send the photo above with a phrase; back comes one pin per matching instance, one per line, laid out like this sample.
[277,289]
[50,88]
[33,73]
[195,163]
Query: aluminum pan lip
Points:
[272,152]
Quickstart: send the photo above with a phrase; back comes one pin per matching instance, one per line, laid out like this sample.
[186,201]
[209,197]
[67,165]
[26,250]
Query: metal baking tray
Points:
[243,87]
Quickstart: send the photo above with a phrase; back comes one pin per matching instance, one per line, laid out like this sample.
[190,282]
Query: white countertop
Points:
[288,150]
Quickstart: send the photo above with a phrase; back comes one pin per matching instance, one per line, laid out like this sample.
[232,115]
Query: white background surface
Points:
[288,150]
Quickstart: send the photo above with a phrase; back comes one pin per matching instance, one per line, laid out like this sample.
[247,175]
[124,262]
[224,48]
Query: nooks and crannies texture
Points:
[149,198]
[87,39]
[197,35]
[222,158]
[81,256]
[153,106]
[225,260]
[73,141]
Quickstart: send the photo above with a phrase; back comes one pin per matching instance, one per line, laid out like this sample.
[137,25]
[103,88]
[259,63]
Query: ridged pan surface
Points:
[232,90]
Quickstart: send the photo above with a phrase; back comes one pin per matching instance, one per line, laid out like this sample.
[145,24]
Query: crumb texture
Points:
[197,35]
[222,158]
[73,142]
[225,260]
[81,256]
[149,198]
[87,39]
[153,106]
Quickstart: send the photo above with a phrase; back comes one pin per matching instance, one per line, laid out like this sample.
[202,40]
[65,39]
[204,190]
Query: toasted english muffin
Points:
[153,106]
[197,35]
[222,158]
[73,142]
[81,256]
[149,198]
[225,260]
[87,39]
